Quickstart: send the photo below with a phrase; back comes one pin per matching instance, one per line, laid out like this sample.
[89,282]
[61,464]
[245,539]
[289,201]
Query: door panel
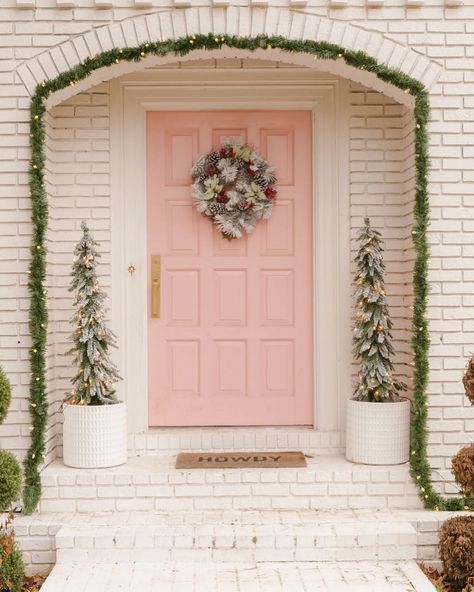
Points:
[233,343]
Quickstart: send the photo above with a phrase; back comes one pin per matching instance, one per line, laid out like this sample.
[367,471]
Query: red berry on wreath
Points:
[270,192]
[231,153]
[222,152]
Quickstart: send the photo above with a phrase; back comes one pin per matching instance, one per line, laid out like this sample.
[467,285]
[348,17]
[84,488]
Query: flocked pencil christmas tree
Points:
[96,374]
[372,339]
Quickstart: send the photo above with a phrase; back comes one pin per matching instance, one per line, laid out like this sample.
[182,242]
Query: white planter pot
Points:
[95,436]
[378,433]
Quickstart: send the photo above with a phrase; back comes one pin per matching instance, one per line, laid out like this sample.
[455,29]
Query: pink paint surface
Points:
[233,344]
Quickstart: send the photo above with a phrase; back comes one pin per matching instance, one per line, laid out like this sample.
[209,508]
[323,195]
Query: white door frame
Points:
[327,98]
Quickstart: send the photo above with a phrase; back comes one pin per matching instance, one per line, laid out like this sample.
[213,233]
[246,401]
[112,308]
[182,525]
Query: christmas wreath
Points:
[235,187]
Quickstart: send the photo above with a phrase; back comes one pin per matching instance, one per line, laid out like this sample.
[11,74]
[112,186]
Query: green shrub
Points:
[463,469]
[5,395]
[456,550]
[10,480]
[12,568]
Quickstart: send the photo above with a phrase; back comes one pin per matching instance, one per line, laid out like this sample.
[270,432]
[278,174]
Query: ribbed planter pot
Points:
[378,433]
[95,436]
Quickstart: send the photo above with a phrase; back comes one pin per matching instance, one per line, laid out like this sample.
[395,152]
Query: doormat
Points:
[240,460]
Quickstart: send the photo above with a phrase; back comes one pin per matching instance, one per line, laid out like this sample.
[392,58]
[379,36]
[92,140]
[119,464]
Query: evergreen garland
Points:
[420,468]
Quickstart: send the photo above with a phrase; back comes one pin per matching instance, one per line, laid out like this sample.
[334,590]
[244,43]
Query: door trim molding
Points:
[328,99]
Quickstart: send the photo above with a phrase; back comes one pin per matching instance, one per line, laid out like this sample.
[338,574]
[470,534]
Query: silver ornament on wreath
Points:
[235,187]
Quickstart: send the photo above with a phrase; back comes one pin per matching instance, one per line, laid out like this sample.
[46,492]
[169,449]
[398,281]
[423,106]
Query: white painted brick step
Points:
[233,543]
[264,577]
[152,483]
[170,441]
[36,534]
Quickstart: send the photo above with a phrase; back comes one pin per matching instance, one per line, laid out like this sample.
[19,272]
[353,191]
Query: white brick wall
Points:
[381,175]
[428,41]
[79,186]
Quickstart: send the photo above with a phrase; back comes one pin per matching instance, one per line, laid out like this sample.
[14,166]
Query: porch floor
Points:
[263,577]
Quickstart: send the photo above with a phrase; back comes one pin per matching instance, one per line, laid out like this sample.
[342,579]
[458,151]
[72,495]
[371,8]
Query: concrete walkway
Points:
[264,577]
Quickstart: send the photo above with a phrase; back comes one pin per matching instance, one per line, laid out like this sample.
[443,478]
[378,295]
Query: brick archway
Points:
[291,32]
[241,21]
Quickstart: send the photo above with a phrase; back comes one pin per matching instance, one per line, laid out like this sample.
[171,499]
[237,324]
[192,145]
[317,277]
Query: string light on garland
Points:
[181,47]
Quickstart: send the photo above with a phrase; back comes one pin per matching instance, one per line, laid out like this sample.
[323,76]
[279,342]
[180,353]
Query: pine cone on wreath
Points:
[468,381]
[216,209]
[213,158]
[260,180]
[199,169]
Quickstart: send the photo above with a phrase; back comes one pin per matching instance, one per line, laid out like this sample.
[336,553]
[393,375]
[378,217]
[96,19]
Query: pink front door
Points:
[233,343]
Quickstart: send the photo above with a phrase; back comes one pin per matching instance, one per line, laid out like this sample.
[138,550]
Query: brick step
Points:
[36,534]
[355,576]
[170,441]
[152,483]
[237,543]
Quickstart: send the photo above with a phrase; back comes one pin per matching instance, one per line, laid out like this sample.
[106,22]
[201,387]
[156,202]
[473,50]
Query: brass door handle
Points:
[155,286]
